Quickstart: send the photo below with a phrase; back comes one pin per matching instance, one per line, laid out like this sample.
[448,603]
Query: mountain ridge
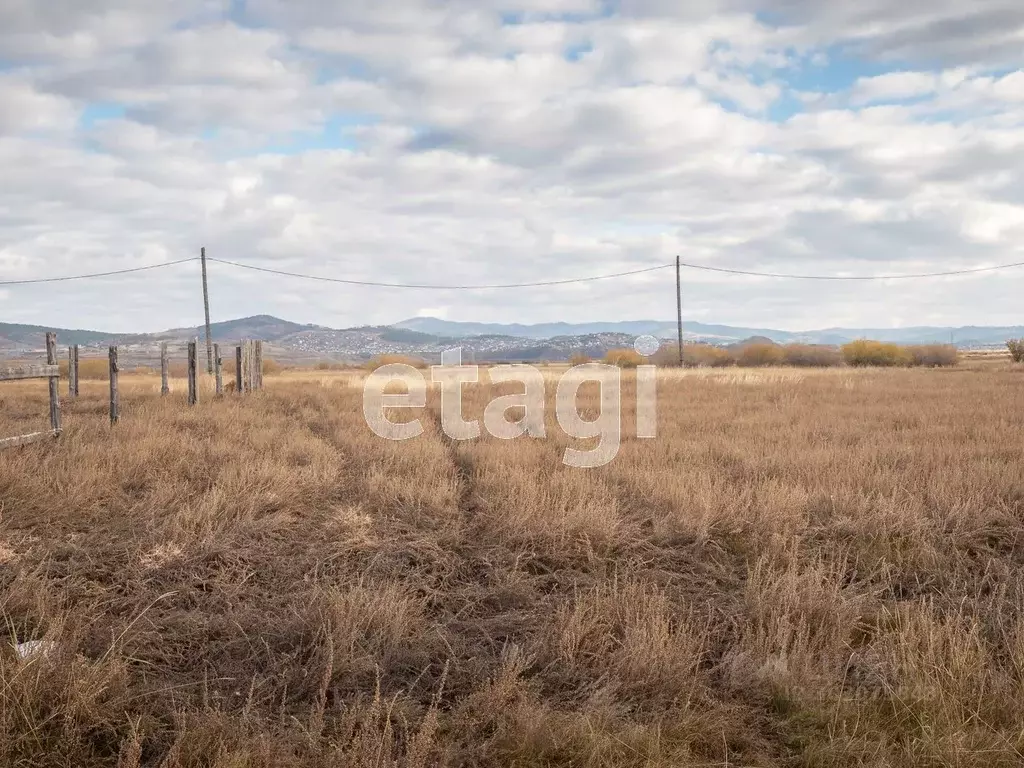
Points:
[425,336]
[968,335]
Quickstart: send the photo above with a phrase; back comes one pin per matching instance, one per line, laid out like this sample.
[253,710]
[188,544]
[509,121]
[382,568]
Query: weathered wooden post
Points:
[238,370]
[193,395]
[51,359]
[247,365]
[51,372]
[73,371]
[217,369]
[252,364]
[258,364]
[164,365]
[115,402]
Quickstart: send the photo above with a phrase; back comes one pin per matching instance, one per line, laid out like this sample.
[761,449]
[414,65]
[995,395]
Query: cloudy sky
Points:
[495,141]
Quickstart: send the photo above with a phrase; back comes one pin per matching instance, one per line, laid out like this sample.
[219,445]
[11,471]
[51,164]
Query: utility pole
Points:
[679,310]
[206,307]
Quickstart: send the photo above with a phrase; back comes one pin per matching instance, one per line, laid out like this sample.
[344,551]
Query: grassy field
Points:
[805,568]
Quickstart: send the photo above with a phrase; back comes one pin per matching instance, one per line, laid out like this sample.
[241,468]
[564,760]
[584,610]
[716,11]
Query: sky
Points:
[499,141]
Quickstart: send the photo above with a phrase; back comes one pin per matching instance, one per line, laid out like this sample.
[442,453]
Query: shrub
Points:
[759,354]
[382,360]
[1016,347]
[812,355]
[271,367]
[579,359]
[705,356]
[933,355]
[694,356]
[667,356]
[866,352]
[624,358]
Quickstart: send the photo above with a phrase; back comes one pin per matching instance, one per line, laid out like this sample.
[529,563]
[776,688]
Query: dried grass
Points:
[814,568]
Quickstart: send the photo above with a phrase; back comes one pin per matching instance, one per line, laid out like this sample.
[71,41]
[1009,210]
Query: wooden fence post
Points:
[115,401]
[51,372]
[51,359]
[164,386]
[217,369]
[238,370]
[193,395]
[246,365]
[73,371]
[258,364]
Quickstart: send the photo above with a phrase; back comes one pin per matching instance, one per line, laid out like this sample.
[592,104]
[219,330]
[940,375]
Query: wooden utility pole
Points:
[193,395]
[206,308]
[114,397]
[51,359]
[165,388]
[679,311]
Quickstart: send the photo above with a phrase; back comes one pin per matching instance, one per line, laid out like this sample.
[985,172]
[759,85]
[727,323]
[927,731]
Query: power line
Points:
[536,284]
[95,274]
[436,287]
[706,268]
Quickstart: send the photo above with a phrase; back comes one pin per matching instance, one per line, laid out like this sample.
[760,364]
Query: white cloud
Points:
[509,141]
[894,86]
[25,109]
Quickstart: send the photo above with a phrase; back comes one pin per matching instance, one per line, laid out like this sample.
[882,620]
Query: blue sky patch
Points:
[98,113]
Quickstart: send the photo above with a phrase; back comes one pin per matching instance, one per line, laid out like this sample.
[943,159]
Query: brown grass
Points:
[382,360]
[624,358]
[805,568]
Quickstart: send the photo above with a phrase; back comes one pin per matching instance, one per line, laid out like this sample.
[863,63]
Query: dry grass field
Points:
[805,568]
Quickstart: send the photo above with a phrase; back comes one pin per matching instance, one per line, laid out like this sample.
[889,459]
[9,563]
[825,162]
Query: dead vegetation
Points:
[811,568]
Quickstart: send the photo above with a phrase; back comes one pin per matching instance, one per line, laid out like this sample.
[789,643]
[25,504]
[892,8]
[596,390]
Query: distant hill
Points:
[751,341]
[427,337]
[966,336]
[17,335]
[266,327]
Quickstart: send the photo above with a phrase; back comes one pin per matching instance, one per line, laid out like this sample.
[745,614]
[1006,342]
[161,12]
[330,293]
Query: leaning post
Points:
[115,401]
[51,359]
[193,395]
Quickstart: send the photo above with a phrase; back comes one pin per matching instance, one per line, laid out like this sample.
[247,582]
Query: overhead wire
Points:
[752,273]
[126,271]
[430,286]
[498,286]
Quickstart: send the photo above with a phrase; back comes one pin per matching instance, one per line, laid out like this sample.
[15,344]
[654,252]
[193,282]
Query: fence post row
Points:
[115,399]
[248,378]
[193,395]
[164,386]
[50,371]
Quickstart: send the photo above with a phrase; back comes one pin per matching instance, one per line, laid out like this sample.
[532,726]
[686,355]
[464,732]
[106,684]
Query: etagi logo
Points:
[452,374]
